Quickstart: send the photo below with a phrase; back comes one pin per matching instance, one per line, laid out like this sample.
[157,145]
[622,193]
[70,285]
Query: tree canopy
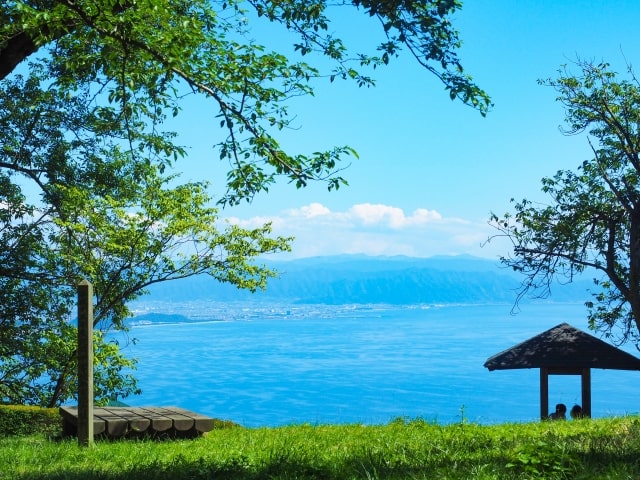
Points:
[592,223]
[101,213]
[144,55]
[85,93]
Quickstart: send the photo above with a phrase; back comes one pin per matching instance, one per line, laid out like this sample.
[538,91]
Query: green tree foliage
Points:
[87,89]
[101,212]
[145,55]
[592,223]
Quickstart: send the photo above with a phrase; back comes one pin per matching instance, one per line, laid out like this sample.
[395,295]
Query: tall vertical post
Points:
[586,392]
[544,393]
[85,363]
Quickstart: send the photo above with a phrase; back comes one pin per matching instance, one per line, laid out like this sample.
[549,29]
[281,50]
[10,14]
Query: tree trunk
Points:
[634,268]
[15,51]
[62,383]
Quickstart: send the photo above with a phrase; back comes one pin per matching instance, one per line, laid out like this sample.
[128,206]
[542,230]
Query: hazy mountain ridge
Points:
[347,279]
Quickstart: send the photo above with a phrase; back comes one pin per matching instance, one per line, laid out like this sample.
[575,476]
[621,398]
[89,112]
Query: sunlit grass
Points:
[586,449]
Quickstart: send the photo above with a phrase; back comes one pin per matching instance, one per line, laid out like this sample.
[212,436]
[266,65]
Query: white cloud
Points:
[394,217]
[310,211]
[376,229]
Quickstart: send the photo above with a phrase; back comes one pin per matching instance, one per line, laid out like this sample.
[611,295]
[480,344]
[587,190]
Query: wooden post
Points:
[85,364]
[586,392]
[544,393]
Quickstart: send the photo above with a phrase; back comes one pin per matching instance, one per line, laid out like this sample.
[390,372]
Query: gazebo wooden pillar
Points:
[563,350]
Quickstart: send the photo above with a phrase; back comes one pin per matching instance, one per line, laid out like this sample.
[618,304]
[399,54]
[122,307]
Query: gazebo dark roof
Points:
[563,346]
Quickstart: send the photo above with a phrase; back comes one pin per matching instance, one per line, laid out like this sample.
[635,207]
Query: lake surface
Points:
[277,365]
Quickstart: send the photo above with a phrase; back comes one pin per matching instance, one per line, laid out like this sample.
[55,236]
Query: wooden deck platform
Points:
[116,422]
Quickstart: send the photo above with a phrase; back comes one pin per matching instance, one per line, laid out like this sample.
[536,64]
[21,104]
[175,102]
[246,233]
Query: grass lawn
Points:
[402,449]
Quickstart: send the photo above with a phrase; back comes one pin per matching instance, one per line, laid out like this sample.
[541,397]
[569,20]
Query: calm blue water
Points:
[269,366]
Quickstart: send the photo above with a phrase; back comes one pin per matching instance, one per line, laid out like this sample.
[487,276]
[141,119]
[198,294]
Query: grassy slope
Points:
[606,448]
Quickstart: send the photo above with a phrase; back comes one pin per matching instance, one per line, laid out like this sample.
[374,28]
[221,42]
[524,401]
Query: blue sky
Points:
[431,170]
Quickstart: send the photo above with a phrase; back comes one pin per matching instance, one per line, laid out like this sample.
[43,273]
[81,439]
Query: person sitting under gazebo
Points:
[560,413]
[576,412]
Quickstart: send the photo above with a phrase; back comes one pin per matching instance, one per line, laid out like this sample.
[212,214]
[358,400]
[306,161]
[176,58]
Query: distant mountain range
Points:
[349,279]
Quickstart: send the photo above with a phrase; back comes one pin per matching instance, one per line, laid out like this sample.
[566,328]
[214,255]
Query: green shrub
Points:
[219,424]
[23,420]
[541,458]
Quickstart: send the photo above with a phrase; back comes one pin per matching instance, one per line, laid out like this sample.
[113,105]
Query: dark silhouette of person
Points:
[560,413]
[576,412]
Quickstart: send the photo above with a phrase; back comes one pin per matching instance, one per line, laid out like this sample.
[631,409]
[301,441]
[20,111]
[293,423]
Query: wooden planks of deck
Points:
[115,422]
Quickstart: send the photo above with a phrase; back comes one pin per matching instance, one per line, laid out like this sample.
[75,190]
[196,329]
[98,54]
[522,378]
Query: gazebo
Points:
[563,350]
